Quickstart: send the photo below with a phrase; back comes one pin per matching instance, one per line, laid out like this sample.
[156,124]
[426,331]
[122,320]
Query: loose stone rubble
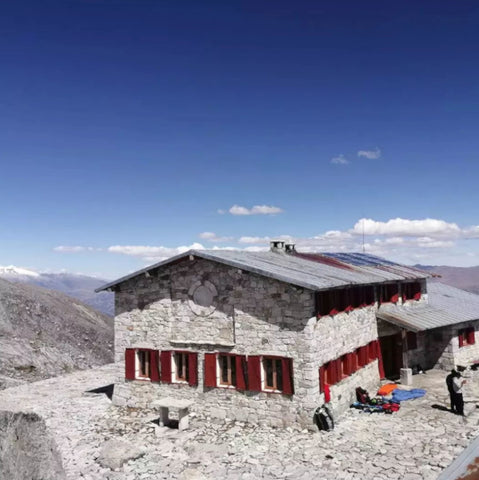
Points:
[417,442]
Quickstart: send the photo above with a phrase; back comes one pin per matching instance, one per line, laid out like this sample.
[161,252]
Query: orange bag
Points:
[387,389]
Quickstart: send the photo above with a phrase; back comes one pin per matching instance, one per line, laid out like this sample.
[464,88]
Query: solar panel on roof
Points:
[360,259]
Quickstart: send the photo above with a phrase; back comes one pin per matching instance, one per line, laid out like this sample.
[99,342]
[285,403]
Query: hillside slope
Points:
[466,278]
[45,333]
[78,286]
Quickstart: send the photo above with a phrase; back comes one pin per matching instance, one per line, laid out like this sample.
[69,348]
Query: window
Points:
[142,364]
[272,374]
[389,293]
[332,302]
[179,367]
[466,337]
[411,291]
[227,370]
[181,370]
[345,366]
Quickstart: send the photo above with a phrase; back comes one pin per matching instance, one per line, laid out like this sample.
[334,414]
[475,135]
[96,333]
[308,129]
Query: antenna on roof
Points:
[364,249]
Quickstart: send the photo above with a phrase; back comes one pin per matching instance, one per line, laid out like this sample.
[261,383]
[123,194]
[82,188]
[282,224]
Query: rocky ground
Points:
[92,435]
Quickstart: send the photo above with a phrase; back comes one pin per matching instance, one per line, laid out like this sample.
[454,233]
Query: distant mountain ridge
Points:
[466,278]
[81,287]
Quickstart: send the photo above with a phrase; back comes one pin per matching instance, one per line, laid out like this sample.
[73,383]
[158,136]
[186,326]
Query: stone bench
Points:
[164,405]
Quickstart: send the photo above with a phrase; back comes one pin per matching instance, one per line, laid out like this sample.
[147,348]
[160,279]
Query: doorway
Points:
[391,350]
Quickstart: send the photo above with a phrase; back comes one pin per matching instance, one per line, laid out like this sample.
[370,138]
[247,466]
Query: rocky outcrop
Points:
[44,333]
[26,448]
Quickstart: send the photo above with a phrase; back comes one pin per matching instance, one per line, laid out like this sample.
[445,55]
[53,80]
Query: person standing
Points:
[457,384]
[450,389]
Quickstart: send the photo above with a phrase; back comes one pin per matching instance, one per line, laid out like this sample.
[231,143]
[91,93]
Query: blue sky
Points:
[131,128]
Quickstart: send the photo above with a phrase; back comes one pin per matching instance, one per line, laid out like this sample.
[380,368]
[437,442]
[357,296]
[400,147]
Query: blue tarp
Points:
[401,395]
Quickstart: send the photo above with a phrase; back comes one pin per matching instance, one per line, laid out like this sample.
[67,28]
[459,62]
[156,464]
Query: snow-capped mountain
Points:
[16,272]
[77,286]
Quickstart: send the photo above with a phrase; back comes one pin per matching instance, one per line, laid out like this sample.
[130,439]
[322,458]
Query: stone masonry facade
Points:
[246,314]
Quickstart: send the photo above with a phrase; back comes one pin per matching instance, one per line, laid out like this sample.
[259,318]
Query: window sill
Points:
[226,387]
[274,391]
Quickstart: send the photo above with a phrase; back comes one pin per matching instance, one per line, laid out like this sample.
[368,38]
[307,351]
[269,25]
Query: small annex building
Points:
[256,336]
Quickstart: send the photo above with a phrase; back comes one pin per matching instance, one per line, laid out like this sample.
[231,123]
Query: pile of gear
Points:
[388,398]
[378,404]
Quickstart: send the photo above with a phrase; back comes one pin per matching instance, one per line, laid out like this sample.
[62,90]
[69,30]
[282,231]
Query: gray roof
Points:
[312,271]
[446,306]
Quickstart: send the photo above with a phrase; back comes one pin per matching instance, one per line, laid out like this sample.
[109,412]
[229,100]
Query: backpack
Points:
[362,396]
[323,418]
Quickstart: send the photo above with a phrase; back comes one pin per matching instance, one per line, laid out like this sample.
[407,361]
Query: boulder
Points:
[114,453]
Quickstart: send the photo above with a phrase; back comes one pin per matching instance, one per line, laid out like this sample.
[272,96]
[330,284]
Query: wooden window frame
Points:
[231,375]
[277,367]
[183,376]
[142,364]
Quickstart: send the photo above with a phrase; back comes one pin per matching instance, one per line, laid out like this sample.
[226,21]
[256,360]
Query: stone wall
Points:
[333,336]
[202,306]
[466,354]
[235,312]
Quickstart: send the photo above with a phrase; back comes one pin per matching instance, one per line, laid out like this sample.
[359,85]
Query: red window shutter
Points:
[240,372]
[365,355]
[288,381]
[332,373]
[154,366]
[351,363]
[371,351]
[380,360]
[461,339]
[254,373]
[322,378]
[337,364]
[210,370]
[193,368]
[471,337]
[362,356]
[165,363]
[395,298]
[328,378]
[130,363]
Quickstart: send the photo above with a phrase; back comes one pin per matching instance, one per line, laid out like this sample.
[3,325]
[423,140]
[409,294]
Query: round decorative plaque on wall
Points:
[202,298]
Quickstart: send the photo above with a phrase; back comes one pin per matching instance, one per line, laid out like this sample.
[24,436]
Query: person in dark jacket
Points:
[457,384]
[450,389]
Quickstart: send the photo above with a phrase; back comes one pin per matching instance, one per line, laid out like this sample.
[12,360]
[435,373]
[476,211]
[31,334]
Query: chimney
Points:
[276,246]
[290,248]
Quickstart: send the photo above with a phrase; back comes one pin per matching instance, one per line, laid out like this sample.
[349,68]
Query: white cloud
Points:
[340,160]
[256,210]
[253,240]
[371,154]
[152,253]
[74,249]
[212,237]
[405,227]
[221,211]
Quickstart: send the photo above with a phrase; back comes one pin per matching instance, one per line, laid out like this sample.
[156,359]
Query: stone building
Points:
[257,336]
